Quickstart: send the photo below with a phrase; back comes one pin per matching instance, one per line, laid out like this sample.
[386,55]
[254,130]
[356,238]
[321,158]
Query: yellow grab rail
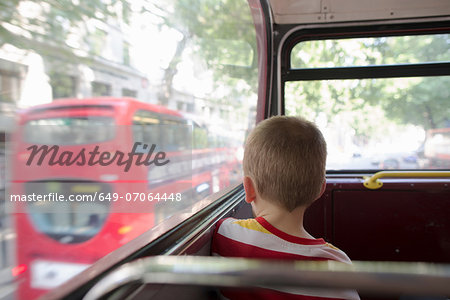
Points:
[373,183]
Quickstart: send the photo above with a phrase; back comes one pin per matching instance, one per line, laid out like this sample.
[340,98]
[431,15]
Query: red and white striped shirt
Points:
[257,238]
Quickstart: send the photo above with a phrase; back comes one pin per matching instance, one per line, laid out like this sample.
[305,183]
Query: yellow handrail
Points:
[373,183]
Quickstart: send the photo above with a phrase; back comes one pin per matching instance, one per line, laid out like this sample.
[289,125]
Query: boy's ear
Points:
[324,186]
[250,191]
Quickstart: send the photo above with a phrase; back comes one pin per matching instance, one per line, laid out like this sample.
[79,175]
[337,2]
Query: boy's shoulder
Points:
[240,225]
[260,233]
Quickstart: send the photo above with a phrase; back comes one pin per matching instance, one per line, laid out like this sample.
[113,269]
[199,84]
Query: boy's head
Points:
[285,158]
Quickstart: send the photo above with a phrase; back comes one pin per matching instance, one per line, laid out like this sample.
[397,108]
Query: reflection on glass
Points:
[186,63]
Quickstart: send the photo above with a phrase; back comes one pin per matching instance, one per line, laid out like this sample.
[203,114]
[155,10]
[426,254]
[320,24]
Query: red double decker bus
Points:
[77,196]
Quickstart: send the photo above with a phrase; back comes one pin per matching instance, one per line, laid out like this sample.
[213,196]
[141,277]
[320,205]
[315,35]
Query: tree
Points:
[424,103]
[219,33]
[420,101]
[45,26]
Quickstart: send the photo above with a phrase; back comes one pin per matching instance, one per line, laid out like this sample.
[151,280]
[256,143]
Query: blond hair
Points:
[285,157]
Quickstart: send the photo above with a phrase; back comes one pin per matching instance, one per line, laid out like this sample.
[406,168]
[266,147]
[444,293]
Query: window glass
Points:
[69,131]
[200,137]
[145,127]
[68,222]
[63,86]
[129,93]
[371,51]
[394,123]
[101,89]
[437,147]
[378,123]
[9,87]
[173,137]
[191,70]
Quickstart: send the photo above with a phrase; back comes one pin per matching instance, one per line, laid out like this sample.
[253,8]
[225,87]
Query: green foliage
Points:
[423,103]
[224,36]
[50,22]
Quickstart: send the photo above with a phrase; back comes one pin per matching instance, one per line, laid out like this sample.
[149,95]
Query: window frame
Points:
[289,36]
[300,34]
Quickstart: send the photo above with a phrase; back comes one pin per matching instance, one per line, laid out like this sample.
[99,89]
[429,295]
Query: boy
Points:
[284,172]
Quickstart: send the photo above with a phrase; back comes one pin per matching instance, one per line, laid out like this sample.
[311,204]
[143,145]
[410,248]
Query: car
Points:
[397,160]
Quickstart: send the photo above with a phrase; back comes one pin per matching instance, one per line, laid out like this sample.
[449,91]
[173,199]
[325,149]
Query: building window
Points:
[126,54]
[9,87]
[180,106]
[63,86]
[129,93]
[100,89]
[98,41]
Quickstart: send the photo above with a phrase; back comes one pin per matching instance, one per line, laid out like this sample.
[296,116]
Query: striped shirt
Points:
[257,238]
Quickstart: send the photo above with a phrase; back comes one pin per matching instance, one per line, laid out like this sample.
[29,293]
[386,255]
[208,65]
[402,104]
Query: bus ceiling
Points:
[333,11]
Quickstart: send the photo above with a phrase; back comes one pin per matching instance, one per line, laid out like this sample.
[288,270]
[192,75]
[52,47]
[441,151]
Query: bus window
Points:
[184,62]
[68,222]
[145,127]
[66,131]
[374,122]
[371,51]
[200,137]
[175,135]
